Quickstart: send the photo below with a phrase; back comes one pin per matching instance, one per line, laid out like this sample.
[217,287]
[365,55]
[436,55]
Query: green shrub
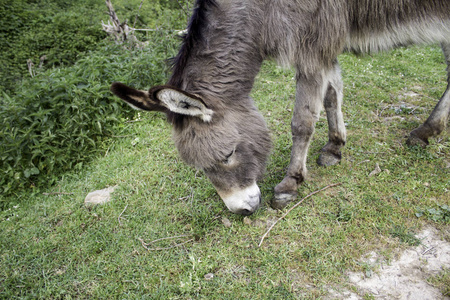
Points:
[65,31]
[441,213]
[30,30]
[56,120]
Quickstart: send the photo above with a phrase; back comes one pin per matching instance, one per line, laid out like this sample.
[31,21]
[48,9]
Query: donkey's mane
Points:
[193,36]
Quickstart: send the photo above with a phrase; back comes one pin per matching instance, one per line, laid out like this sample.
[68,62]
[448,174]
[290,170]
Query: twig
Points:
[427,250]
[166,248]
[364,161]
[41,61]
[120,216]
[185,10]
[107,150]
[56,193]
[188,197]
[30,65]
[145,245]
[168,238]
[120,136]
[384,108]
[121,32]
[297,204]
[137,15]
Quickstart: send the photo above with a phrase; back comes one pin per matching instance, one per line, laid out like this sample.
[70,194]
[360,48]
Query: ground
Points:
[404,278]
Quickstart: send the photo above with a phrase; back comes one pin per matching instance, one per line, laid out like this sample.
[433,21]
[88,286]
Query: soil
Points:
[404,278]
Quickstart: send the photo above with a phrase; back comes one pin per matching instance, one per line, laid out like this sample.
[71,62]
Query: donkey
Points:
[216,126]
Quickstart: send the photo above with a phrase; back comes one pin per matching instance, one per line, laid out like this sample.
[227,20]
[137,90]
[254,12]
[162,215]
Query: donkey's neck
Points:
[219,57]
[221,73]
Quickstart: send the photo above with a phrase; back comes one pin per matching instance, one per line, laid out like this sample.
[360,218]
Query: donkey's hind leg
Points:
[331,153]
[438,119]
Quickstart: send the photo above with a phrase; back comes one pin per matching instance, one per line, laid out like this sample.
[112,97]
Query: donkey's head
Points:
[231,144]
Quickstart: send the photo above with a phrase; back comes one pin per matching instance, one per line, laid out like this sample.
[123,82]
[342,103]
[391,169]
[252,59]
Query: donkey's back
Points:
[386,24]
[311,34]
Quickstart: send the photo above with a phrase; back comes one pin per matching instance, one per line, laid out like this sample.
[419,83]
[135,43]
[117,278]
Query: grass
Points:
[442,281]
[54,247]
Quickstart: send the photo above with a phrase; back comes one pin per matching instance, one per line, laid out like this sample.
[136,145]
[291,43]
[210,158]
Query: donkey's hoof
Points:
[285,192]
[327,159]
[282,200]
[414,140]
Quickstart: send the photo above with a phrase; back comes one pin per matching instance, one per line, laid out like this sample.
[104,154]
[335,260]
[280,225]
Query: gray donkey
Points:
[216,126]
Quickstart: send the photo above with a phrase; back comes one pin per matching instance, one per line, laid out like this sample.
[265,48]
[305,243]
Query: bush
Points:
[65,31]
[32,29]
[56,120]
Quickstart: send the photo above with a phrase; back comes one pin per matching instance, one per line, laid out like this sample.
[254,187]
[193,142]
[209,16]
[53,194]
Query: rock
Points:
[226,222]
[376,171]
[247,221]
[410,94]
[209,276]
[99,196]
[259,223]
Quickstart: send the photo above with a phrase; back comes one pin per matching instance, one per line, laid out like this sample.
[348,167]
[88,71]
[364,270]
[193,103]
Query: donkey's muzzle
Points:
[244,201]
[247,212]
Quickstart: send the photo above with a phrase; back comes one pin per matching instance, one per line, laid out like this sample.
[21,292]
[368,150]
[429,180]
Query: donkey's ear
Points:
[181,102]
[137,99]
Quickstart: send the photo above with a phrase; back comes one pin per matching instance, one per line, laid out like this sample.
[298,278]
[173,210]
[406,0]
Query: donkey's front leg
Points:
[308,103]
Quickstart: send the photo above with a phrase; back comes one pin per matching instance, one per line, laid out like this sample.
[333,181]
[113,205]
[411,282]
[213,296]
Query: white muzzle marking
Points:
[243,201]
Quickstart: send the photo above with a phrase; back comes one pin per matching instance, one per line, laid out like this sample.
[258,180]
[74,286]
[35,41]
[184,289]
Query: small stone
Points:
[259,223]
[247,221]
[226,222]
[376,171]
[272,211]
[99,196]
[410,94]
[209,276]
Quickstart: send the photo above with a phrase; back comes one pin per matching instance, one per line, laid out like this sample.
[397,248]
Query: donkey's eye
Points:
[227,158]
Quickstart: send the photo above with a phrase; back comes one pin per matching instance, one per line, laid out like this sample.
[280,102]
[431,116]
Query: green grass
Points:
[55,247]
[442,281]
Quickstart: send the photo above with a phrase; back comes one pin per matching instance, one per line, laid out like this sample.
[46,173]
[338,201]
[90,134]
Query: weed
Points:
[404,235]
[441,213]
[442,282]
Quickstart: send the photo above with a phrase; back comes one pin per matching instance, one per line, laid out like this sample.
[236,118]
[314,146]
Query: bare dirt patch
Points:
[404,278]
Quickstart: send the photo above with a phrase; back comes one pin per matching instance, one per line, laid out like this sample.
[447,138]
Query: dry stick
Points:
[120,31]
[30,67]
[166,248]
[424,252]
[186,11]
[118,218]
[56,193]
[107,150]
[297,204]
[166,238]
[137,15]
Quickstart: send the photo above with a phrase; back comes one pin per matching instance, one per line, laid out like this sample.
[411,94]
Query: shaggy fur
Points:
[222,52]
